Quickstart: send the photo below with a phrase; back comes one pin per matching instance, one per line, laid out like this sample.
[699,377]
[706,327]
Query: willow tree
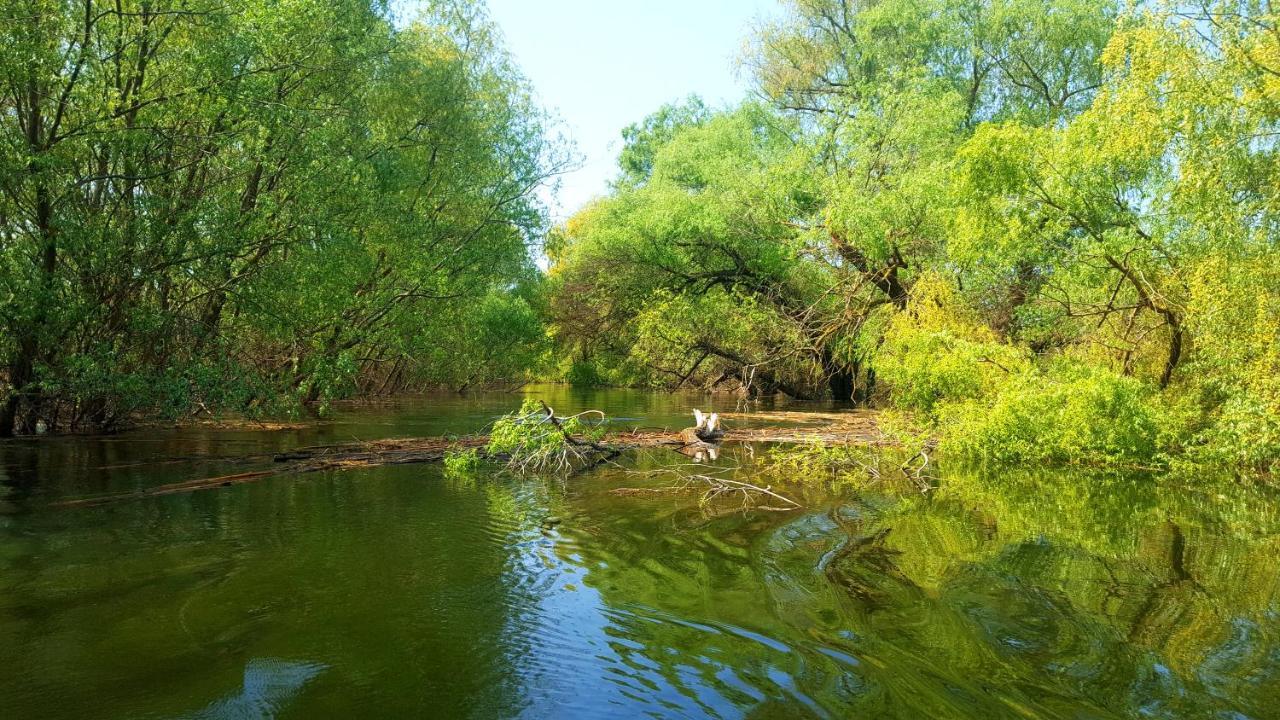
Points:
[1051,225]
[878,99]
[207,203]
[1157,206]
[693,271]
[890,90]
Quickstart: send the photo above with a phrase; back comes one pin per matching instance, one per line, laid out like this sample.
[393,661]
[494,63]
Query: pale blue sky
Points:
[604,64]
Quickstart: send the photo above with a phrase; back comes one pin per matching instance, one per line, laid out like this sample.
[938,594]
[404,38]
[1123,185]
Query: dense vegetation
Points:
[1047,229]
[251,205]
[1044,229]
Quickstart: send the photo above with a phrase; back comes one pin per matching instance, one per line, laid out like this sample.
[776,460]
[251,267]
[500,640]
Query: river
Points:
[407,592]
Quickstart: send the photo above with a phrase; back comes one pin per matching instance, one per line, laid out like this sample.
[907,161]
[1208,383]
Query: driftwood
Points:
[751,497]
[303,460]
[821,428]
[713,484]
[706,430]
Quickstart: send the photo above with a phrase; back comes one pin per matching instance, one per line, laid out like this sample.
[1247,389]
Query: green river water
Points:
[403,592]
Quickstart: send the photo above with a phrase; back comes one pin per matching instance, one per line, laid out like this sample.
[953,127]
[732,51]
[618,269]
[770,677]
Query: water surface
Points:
[404,592]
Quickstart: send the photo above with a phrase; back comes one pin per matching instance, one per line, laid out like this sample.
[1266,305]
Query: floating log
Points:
[823,428]
[170,489]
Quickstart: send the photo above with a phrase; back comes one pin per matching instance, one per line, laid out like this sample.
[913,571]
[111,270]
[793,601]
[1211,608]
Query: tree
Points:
[704,250]
[203,198]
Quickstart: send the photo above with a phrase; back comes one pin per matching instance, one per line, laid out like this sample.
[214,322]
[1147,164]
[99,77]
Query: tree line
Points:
[1043,229]
[257,204]
[1040,229]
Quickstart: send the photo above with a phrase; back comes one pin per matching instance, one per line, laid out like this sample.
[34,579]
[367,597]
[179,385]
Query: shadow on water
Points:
[415,594]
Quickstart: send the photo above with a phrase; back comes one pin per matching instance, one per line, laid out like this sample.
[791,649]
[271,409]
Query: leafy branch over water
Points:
[533,439]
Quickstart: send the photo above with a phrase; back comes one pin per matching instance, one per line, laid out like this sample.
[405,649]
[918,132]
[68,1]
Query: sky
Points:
[601,65]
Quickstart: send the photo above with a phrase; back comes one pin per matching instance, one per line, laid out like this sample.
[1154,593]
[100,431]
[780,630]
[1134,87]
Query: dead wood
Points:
[170,489]
[821,428]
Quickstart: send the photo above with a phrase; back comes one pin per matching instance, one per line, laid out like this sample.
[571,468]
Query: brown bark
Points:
[884,278]
[1173,320]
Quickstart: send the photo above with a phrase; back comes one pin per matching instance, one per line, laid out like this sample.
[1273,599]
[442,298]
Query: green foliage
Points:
[499,338]
[310,190]
[991,402]
[1073,414]
[463,463]
[584,373]
[1047,228]
[693,273]
[1234,311]
[99,394]
[938,351]
[643,140]
[532,442]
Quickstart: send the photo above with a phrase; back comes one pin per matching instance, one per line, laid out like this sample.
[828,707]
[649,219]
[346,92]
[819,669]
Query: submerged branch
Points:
[831,429]
[713,488]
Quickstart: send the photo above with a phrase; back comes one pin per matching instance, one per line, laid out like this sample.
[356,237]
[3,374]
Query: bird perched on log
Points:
[707,430]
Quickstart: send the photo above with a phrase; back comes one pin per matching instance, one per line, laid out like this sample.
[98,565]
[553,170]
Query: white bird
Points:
[700,418]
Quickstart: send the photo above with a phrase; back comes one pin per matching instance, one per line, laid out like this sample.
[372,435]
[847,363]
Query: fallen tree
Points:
[587,448]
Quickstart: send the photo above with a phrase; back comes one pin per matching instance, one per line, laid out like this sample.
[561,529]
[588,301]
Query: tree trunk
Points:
[883,278]
[840,378]
[1148,298]
[22,365]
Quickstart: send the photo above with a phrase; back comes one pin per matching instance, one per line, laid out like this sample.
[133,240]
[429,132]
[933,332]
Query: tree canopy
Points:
[253,204]
[1042,228]
[1045,227]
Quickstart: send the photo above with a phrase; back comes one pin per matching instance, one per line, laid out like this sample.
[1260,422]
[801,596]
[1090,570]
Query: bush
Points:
[1245,430]
[938,351]
[462,462]
[1234,314]
[1076,414]
[91,391]
[584,373]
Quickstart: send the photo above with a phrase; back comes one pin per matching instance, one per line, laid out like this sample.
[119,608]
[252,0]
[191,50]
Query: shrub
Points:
[1234,315]
[584,373]
[462,462]
[1245,430]
[1075,414]
[939,351]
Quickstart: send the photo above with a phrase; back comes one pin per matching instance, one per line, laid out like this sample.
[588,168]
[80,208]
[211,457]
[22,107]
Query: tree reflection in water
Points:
[1036,593]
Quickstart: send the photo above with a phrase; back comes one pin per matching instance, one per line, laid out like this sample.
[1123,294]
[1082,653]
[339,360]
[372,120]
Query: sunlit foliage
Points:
[250,204]
[1046,227]
[531,439]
